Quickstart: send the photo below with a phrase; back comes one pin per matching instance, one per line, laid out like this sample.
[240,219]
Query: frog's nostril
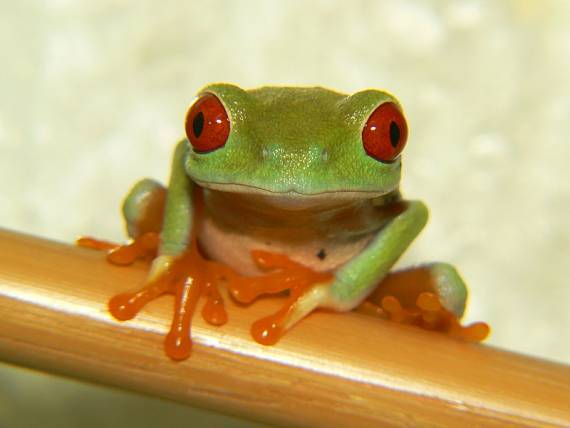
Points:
[294,155]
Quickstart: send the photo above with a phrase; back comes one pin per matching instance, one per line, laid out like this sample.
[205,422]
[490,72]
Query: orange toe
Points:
[126,254]
[188,278]
[430,314]
[95,244]
[285,275]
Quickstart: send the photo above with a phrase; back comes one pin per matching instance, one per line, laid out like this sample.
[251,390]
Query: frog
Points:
[285,190]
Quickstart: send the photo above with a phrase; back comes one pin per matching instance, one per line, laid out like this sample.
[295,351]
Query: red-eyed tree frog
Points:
[285,188]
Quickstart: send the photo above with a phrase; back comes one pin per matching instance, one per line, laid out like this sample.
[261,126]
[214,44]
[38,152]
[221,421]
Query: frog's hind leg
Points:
[441,279]
[143,211]
[432,296]
[143,208]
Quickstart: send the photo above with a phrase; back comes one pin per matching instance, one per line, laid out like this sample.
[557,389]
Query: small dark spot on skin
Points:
[322,254]
[198,124]
[394,134]
[267,243]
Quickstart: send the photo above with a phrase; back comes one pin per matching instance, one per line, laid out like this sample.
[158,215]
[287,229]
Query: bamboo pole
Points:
[332,370]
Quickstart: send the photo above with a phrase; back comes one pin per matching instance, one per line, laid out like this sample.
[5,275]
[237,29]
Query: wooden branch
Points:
[332,370]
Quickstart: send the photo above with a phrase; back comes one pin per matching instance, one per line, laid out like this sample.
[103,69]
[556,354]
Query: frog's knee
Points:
[450,287]
[143,208]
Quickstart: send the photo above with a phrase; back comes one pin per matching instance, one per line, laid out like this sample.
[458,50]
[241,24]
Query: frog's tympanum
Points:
[285,190]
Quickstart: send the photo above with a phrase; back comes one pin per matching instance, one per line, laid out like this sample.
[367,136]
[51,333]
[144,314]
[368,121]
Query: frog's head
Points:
[295,142]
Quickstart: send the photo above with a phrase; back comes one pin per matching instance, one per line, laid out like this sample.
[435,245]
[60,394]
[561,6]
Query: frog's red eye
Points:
[207,124]
[385,133]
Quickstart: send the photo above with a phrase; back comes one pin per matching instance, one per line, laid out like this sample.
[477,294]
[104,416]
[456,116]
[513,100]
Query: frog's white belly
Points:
[233,248]
[322,236]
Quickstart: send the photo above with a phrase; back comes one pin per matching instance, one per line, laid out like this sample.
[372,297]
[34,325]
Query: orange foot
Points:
[428,314]
[285,274]
[144,246]
[188,278]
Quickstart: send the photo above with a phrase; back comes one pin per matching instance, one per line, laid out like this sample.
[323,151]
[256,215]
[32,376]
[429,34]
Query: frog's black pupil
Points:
[394,134]
[198,124]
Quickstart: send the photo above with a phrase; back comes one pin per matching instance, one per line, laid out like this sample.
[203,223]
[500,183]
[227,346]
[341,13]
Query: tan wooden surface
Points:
[332,370]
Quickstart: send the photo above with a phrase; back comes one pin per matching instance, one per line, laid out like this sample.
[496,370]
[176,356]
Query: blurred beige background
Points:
[92,97]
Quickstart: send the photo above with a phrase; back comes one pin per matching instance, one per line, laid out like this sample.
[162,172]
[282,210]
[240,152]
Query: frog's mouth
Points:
[292,199]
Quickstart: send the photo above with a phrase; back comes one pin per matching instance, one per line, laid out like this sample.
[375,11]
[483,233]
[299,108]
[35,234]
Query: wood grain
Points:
[332,370]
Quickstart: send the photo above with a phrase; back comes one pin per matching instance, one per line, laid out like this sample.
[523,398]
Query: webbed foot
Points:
[187,277]
[431,296]
[141,247]
[303,284]
[429,314]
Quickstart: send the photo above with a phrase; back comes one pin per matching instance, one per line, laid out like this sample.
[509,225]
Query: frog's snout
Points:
[301,157]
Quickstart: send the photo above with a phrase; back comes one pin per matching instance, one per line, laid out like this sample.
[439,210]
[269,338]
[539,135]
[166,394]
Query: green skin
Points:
[300,146]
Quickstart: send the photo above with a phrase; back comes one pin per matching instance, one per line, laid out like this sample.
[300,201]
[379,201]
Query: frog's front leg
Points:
[178,268]
[353,282]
